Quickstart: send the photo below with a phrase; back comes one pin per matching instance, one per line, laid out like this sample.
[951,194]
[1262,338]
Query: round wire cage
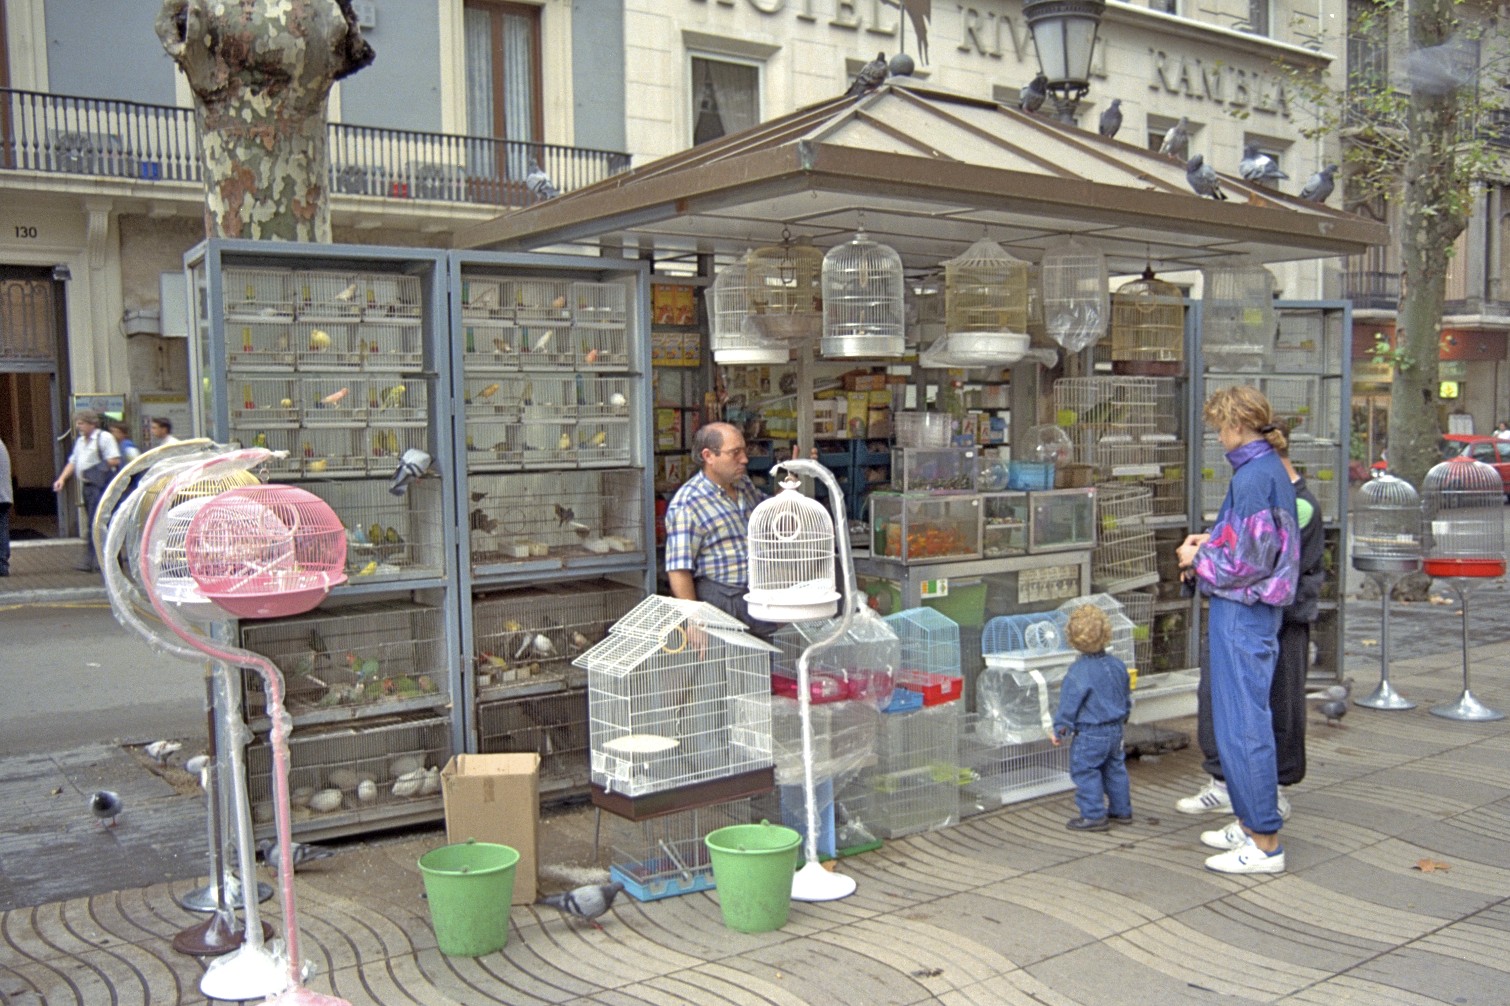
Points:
[1387,526]
[267,551]
[1076,305]
[985,292]
[1463,520]
[1148,328]
[734,338]
[791,553]
[863,303]
[785,284]
[1237,318]
[168,575]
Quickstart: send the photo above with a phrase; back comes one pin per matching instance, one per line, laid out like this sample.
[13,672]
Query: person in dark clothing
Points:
[1094,701]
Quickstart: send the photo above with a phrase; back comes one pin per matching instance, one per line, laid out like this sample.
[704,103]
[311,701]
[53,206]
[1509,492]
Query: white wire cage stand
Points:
[1384,696]
[1386,548]
[813,882]
[226,972]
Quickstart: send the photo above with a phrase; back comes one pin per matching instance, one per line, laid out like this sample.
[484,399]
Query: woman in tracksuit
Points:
[1247,565]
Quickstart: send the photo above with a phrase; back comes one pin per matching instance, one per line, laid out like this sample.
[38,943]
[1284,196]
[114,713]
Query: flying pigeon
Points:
[1319,188]
[1111,119]
[1177,140]
[587,902]
[871,76]
[412,464]
[304,854]
[106,806]
[539,183]
[1257,166]
[161,751]
[1030,98]
[1203,179]
[1333,710]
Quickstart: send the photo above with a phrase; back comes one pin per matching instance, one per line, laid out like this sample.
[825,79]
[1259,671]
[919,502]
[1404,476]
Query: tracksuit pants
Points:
[1244,647]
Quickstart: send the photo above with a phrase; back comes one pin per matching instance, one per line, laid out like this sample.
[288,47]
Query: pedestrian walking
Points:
[7,500]
[94,458]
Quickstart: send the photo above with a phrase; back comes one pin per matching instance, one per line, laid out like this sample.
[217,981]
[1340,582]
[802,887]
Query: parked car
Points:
[1490,450]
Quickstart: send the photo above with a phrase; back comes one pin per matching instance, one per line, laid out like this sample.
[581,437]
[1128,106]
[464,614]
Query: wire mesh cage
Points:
[395,402]
[985,290]
[391,346]
[1002,774]
[1090,409]
[861,665]
[494,444]
[553,726]
[601,346]
[930,654]
[529,636]
[599,305]
[343,777]
[553,520]
[335,401]
[387,537]
[1463,519]
[603,443]
[603,397]
[1123,634]
[914,785]
[843,737]
[489,346]
[390,296]
[1076,306]
[483,298]
[1308,342]
[863,310]
[1237,318]
[668,857]
[491,396]
[663,691]
[1124,557]
[547,345]
[259,346]
[326,294]
[538,300]
[1216,474]
[166,573]
[732,340]
[1148,328]
[330,452]
[265,403]
[791,556]
[1137,606]
[353,660]
[548,444]
[325,346]
[262,295]
[1387,526]
[1320,461]
[784,286]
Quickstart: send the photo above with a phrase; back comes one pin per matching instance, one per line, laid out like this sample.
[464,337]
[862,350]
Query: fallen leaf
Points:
[927,972]
[56,791]
[1369,642]
[1432,866]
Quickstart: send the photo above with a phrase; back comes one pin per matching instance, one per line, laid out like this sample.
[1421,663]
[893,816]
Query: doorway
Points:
[31,312]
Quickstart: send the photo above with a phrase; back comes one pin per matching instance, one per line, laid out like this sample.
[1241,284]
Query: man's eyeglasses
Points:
[736,453]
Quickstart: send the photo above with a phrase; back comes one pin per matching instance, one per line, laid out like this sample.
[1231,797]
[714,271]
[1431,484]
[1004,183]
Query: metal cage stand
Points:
[1384,695]
[1467,707]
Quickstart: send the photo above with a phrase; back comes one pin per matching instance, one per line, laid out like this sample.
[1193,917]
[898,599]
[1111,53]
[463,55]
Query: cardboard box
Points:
[878,422]
[826,418]
[864,382]
[855,413]
[496,798]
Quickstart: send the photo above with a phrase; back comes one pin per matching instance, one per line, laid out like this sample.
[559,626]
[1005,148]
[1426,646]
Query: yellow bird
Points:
[565,442]
[368,569]
[486,393]
[394,396]
[600,438]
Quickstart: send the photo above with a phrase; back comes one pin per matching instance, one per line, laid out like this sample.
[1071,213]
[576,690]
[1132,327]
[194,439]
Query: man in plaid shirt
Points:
[707,555]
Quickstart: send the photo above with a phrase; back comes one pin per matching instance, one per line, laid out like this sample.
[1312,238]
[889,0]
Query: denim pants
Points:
[1244,646]
[1099,769]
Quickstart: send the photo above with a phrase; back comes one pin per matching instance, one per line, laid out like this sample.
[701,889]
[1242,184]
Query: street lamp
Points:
[1064,33]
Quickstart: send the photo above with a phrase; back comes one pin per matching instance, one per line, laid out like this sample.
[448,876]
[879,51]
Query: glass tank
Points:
[916,529]
[950,469]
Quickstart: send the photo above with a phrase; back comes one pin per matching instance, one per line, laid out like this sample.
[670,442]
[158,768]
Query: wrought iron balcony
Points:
[126,139]
[1372,290]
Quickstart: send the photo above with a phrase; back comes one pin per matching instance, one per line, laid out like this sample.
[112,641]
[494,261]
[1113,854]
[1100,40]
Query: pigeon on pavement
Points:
[160,751]
[1333,710]
[539,183]
[1319,188]
[106,805]
[587,902]
[1203,179]
[1030,98]
[1177,140]
[304,854]
[1111,119]
[1257,166]
[871,76]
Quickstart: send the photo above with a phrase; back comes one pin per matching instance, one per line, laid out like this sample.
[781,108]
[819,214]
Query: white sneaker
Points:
[1247,858]
[1231,837]
[1212,799]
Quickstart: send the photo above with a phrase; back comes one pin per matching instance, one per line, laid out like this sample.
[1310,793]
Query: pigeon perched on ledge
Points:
[1111,119]
[586,902]
[539,183]
[1203,179]
[1319,188]
[871,76]
[1177,140]
[1257,166]
[1033,93]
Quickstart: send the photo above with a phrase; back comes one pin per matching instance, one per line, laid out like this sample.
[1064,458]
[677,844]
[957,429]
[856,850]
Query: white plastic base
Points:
[818,607]
[814,883]
[747,357]
[249,973]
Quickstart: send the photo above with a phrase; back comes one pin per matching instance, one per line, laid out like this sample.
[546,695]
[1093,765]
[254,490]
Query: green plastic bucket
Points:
[469,887]
[753,866]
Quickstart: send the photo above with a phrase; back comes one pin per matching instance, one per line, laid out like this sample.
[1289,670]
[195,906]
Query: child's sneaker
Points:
[1231,837]
[1248,858]
[1212,799]
[1088,824]
[1120,818]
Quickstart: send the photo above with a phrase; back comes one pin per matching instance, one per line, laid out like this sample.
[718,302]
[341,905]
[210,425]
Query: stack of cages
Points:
[668,856]
[329,353]
[998,773]
[1124,558]
[930,655]
[1138,606]
[914,783]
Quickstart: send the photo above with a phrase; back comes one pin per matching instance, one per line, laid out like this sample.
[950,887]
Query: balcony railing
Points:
[1372,290]
[125,139]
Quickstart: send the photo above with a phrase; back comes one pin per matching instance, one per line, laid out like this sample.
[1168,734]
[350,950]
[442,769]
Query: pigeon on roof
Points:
[1203,179]
[1177,140]
[1111,119]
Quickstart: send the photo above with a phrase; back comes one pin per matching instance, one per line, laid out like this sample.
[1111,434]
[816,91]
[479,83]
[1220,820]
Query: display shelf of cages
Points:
[322,347]
[259,346]
[668,856]
[1321,462]
[1295,398]
[392,345]
[1090,409]
[1002,773]
[524,639]
[1138,606]
[388,538]
[909,528]
[1309,341]
[949,469]
[490,345]
[266,403]
[554,726]
[380,772]
[540,521]
[353,660]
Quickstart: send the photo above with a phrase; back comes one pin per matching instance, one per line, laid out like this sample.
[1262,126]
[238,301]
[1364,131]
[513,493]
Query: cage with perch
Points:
[791,552]
[1386,546]
[985,308]
[930,654]
[1073,280]
[736,337]
[1237,318]
[784,285]
[864,314]
[1148,328]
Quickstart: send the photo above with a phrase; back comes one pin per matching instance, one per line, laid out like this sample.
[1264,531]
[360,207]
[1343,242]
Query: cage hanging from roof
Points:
[1238,326]
[785,285]
[735,339]
[1387,526]
[985,309]
[1148,328]
[863,307]
[791,551]
[1463,519]
[1076,307]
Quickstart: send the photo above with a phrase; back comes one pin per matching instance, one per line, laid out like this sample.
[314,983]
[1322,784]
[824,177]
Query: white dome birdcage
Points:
[863,309]
[791,550]
[786,289]
[1148,328]
[166,570]
[985,308]
[1076,307]
[1237,318]
[734,338]
[1387,526]
[1463,520]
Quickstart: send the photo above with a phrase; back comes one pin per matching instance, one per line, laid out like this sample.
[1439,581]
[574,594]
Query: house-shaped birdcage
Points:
[861,664]
[678,694]
[930,654]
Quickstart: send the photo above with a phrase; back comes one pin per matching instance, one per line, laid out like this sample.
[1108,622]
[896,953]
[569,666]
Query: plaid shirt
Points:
[706,530]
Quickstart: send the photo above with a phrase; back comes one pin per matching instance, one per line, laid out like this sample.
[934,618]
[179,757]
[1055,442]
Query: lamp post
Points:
[1064,33]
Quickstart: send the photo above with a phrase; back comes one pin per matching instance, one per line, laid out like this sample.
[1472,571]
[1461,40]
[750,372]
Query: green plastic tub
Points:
[469,887]
[753,866]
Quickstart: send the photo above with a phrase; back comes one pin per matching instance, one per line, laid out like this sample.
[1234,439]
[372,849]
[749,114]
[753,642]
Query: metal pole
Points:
[1384,696]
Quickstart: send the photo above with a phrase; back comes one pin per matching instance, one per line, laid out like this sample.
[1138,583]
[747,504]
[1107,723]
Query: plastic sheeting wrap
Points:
[1017,696]
[844,738]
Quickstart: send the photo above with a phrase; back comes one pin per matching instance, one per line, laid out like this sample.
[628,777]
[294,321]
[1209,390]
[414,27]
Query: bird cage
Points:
[791,549]
[1076,308]
[863,309]
[1093,408]
[785,284]
[1387,526]
[1320,462]
[678,694]
[167,566]
[925,310]
[1125,557]
[1124,630]
[1137,605]
[862,664]
[734,340]
[1148,328]
[1017,692]
[930,654]
[1463,520]
[985,309]
[1237,318]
